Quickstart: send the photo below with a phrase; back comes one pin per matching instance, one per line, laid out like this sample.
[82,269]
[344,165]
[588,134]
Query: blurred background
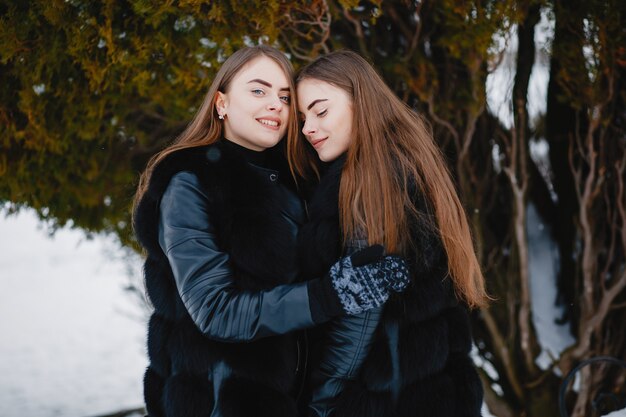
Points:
[527,100]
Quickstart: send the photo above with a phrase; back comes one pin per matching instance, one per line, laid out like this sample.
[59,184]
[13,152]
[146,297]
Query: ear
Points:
[221,103]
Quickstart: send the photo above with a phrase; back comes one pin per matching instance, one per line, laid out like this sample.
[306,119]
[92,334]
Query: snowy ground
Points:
[72,341]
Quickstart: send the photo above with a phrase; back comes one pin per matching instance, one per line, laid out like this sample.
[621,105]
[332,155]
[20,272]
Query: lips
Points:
[316,143]
[272,123]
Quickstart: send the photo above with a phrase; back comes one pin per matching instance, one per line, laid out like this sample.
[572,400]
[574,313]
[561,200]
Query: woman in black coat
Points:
[218,216]
[384,180]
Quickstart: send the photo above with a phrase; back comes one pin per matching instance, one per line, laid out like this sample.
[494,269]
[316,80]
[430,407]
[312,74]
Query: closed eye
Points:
[322,113]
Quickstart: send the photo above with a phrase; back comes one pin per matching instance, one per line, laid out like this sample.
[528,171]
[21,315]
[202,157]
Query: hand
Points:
[363,281]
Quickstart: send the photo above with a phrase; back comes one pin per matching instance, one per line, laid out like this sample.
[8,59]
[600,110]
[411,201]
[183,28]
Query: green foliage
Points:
[97,87]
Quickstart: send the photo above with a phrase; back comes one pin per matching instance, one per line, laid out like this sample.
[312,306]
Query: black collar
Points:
[259,158]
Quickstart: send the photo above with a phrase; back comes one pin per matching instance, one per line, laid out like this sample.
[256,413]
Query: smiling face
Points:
[327,114]
[255,105]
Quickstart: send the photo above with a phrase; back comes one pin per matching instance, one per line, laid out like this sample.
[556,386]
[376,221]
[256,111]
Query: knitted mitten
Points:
[362,286]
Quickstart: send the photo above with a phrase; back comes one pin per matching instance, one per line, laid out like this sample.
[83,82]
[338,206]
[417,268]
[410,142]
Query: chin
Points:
[326,156]
[321,157]
[268,142]
[275,141]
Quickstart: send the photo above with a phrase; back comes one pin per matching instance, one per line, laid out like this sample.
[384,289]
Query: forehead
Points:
[263,68]
[311,89]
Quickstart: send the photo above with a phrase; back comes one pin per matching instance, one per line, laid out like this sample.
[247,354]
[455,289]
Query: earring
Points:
[221,117]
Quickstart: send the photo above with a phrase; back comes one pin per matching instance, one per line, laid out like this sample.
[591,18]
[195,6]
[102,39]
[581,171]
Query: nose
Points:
[275,105]
[308,128]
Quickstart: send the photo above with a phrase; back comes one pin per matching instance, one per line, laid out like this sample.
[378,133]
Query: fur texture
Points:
[424,324]
[261,245]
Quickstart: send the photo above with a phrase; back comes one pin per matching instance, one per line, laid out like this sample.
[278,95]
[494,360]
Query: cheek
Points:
[285,114]
[283,128]
[245,106]
[330,126]
[345,142]
[345,134]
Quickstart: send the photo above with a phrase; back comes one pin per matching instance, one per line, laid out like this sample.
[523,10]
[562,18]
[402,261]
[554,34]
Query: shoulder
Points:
[183,211]
[191,162]
[189,159]
[183,180]
[183,192]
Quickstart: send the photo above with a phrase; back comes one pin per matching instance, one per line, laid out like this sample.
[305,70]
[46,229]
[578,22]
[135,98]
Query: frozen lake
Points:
[73,340]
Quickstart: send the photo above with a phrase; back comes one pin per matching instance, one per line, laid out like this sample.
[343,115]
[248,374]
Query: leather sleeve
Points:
[204,277]
[347,344]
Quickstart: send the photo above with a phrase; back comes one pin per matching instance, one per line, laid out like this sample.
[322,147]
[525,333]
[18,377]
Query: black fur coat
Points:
[256,378]
[419,363]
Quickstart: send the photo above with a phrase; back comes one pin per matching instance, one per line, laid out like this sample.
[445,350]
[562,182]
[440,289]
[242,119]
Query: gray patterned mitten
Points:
[363,287]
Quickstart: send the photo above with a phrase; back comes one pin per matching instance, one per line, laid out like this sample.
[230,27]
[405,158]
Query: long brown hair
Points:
[206,128]
[392,149]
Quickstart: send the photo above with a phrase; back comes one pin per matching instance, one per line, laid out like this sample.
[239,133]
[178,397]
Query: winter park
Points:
[525,100]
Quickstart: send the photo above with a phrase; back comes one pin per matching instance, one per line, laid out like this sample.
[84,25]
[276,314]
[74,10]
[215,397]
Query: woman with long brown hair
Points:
[385,181]
[218,214]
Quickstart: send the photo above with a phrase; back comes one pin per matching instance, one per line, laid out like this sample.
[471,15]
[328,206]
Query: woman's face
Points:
[327,114]
[256,105]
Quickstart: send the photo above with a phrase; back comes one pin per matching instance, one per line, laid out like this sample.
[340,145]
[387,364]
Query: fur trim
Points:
[433,397]
[423,348]
[160,289]
[460,330]
[358,401]
[319,241]
[469,390]
[159,330]
[188,396]
[271,361]
[153,393]
[243,397]
[189,350]
[425,298]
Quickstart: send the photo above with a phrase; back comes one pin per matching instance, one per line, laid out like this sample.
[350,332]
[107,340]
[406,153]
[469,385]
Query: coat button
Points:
[273,177]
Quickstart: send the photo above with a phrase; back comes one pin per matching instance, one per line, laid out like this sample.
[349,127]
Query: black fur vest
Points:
[419,363]
[181,380]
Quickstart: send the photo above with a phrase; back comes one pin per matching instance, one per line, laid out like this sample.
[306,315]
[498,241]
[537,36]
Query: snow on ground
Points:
[72,340]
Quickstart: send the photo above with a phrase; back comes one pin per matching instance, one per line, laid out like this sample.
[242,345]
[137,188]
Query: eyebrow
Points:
[314,102]
[267,84]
